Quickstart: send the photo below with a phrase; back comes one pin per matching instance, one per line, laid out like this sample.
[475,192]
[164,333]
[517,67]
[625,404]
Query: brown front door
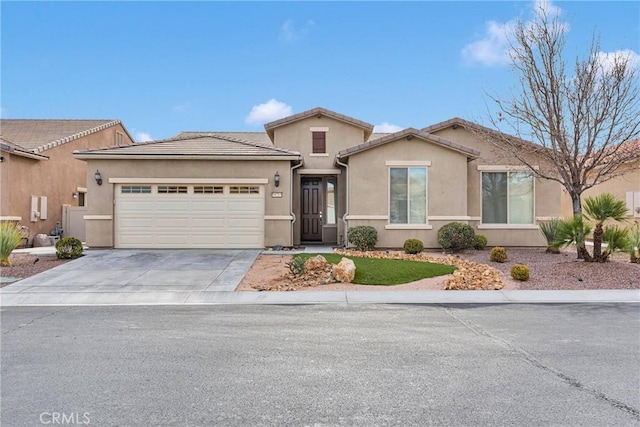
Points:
[311,209]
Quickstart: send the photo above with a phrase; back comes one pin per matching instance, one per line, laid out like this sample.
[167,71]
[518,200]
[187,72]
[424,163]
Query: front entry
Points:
[312,210]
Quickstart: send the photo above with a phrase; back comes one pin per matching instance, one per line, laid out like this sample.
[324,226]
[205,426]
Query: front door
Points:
[312,210]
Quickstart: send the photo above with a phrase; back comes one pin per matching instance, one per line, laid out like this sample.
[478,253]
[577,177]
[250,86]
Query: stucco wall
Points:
[618,186]
[100,231]
[57,179]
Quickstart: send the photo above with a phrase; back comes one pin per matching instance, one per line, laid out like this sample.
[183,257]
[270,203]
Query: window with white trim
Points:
[172,189]
[408,195]
[507,198]
[208,189]
[137,189]
[244,189]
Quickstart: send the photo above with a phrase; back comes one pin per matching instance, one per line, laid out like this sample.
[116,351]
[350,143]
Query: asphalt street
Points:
[322,365]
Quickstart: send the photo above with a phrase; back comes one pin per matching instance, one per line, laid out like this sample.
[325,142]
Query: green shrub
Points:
[498,254]
[413,246]
[296,265]
[363,237]
[479,242]
[68,248]
[10,238]
[455,236]
[633,244]
[550,231]
[520,272]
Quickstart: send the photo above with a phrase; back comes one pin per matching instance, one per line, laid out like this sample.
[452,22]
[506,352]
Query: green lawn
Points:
[385,272]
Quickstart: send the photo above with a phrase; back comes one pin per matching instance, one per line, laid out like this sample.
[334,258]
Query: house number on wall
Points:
[277,195]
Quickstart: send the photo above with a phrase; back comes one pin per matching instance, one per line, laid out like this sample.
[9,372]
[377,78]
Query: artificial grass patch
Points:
[385,272]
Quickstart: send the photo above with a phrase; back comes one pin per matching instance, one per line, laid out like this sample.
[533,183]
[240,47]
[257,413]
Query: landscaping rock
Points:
[344,271]
[41,240]
[315,263]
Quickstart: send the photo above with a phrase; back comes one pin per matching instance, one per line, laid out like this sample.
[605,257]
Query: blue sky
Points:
[165,67]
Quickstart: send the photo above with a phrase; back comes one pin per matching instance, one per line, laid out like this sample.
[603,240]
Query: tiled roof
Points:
[38,135]
[409,133]
[10,147]
[259,137]
[320,112]
[194,145]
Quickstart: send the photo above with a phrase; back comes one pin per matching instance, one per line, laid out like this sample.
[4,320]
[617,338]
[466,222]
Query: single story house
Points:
[307,179]
[38,173]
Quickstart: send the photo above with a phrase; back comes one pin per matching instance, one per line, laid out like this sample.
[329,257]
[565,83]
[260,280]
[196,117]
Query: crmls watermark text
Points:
[65,418]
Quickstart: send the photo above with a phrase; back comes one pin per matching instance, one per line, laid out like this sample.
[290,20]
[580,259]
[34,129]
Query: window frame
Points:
[408,165]
[508,170]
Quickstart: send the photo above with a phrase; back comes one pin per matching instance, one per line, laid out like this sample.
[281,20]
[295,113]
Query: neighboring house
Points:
[38,174]
[625,186]
[308,179]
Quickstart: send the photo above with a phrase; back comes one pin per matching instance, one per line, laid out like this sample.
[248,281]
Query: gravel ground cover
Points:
[26,265]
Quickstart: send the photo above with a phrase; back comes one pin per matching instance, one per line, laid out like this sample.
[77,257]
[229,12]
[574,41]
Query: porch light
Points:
[276,179]
[98,177]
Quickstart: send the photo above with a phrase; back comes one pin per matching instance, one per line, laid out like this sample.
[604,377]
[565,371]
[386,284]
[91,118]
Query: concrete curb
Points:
[319,297]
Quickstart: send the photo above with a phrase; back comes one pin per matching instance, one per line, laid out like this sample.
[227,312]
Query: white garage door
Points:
[189,216]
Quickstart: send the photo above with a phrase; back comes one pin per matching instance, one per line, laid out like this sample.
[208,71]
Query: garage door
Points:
[189,216]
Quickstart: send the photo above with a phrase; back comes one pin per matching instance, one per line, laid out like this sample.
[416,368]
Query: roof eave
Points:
[104,156]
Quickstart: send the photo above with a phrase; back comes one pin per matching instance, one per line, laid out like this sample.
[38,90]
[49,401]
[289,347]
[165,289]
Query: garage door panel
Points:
[190,220]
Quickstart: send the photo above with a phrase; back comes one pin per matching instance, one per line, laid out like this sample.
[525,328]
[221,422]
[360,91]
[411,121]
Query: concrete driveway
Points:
[130,276]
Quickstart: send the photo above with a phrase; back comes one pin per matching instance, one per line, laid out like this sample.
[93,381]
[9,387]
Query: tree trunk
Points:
[577,210]
[597,244]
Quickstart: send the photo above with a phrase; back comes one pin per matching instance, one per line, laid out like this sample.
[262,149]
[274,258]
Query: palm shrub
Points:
[616,239]
[633,244]
[550,231]
[573,230]
[10,238]
[363,237]
[600,209]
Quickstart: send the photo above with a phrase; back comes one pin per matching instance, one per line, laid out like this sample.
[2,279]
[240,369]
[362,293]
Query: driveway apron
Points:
[130,276]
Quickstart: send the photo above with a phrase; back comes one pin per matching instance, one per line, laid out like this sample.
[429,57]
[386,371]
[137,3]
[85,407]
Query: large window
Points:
[408,195]
[507,198]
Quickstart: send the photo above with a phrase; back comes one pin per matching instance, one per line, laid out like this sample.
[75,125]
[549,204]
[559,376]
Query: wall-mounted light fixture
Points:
[276,179]
[1,159]
[98,177]
[75,194]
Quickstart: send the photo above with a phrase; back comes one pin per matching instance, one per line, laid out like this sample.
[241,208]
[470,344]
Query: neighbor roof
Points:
[368,128]
[193,146]
[10,147]
[259,137]
[410,132]
[38,135]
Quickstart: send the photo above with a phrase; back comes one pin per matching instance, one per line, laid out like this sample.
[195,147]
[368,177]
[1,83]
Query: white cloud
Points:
[493,47]
[289,32]
[608,59]
[386,127]
[267,112]
[142,137]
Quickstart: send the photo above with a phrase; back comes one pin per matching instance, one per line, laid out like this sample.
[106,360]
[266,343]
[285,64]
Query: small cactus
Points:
[498,254]
[520,272]
[479,242]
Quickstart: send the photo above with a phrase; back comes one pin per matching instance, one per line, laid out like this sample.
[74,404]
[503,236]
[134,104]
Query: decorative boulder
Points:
[41,240]
[344,271]
[315,263]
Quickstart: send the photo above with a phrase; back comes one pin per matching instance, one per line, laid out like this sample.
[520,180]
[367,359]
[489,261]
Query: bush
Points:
[296,265]
[520,272]
[413,246]
[68,248]
[479,242]
[498,254]
[10,238]
[455,236]
[633,244]
[363,237]
[550,231]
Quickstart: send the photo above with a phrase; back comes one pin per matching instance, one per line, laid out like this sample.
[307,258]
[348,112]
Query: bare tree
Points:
[580,119]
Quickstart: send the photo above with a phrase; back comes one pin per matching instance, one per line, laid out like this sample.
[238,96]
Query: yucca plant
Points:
[550,231]
[573,230]
[600,209]
[10,238]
